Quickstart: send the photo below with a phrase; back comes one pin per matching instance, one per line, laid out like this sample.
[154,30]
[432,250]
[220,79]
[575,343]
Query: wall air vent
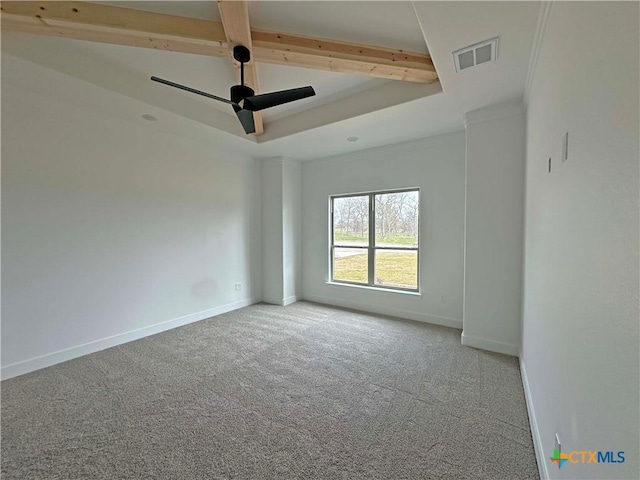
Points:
[474,55]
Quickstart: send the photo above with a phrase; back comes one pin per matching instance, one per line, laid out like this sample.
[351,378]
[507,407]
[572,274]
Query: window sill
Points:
[375,289]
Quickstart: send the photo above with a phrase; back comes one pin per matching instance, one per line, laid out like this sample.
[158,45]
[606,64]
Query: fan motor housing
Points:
[240,92]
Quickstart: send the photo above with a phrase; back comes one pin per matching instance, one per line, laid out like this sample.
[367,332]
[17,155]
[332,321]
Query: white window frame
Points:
[371,247]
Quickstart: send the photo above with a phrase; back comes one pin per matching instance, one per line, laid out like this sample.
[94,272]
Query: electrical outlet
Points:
[238,286]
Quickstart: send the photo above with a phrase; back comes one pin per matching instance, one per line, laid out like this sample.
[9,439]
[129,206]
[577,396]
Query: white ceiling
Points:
[377,111]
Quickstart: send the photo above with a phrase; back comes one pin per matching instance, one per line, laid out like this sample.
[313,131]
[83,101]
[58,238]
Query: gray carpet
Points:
[265,392]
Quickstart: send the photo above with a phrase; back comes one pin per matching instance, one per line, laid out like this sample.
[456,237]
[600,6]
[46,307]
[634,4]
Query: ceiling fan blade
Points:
[192,90]
[266,100]
[246,119]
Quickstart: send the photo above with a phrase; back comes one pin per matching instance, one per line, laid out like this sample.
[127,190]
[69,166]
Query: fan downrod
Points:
[242,55]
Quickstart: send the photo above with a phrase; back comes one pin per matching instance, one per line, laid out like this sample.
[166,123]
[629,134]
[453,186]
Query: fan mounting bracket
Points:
[241,54]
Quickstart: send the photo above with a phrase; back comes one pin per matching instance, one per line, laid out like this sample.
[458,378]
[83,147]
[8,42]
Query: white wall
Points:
[281,231]
[580,314]
[113,226]
[292,231]
[272,233]
[436,165]
[494,227]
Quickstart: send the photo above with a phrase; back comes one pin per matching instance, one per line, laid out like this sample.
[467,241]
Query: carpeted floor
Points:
[265,392]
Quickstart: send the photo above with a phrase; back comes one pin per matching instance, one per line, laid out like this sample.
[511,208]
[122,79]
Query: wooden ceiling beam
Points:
[124,26]
[343,57]
[235,20]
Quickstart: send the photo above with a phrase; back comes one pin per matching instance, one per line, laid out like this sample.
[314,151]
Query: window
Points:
[374,239]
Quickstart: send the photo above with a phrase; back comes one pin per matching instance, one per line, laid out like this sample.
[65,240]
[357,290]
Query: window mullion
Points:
[372,238]
[331,243]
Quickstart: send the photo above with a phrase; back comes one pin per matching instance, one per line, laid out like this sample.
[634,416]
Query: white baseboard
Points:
[533,423]
[491,345]
[289,300]
[394,312]
[32,364]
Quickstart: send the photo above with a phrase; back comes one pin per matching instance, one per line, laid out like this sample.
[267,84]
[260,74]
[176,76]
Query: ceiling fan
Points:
[243,100]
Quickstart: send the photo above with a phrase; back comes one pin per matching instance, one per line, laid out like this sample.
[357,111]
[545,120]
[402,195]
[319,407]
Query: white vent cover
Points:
[483,52]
